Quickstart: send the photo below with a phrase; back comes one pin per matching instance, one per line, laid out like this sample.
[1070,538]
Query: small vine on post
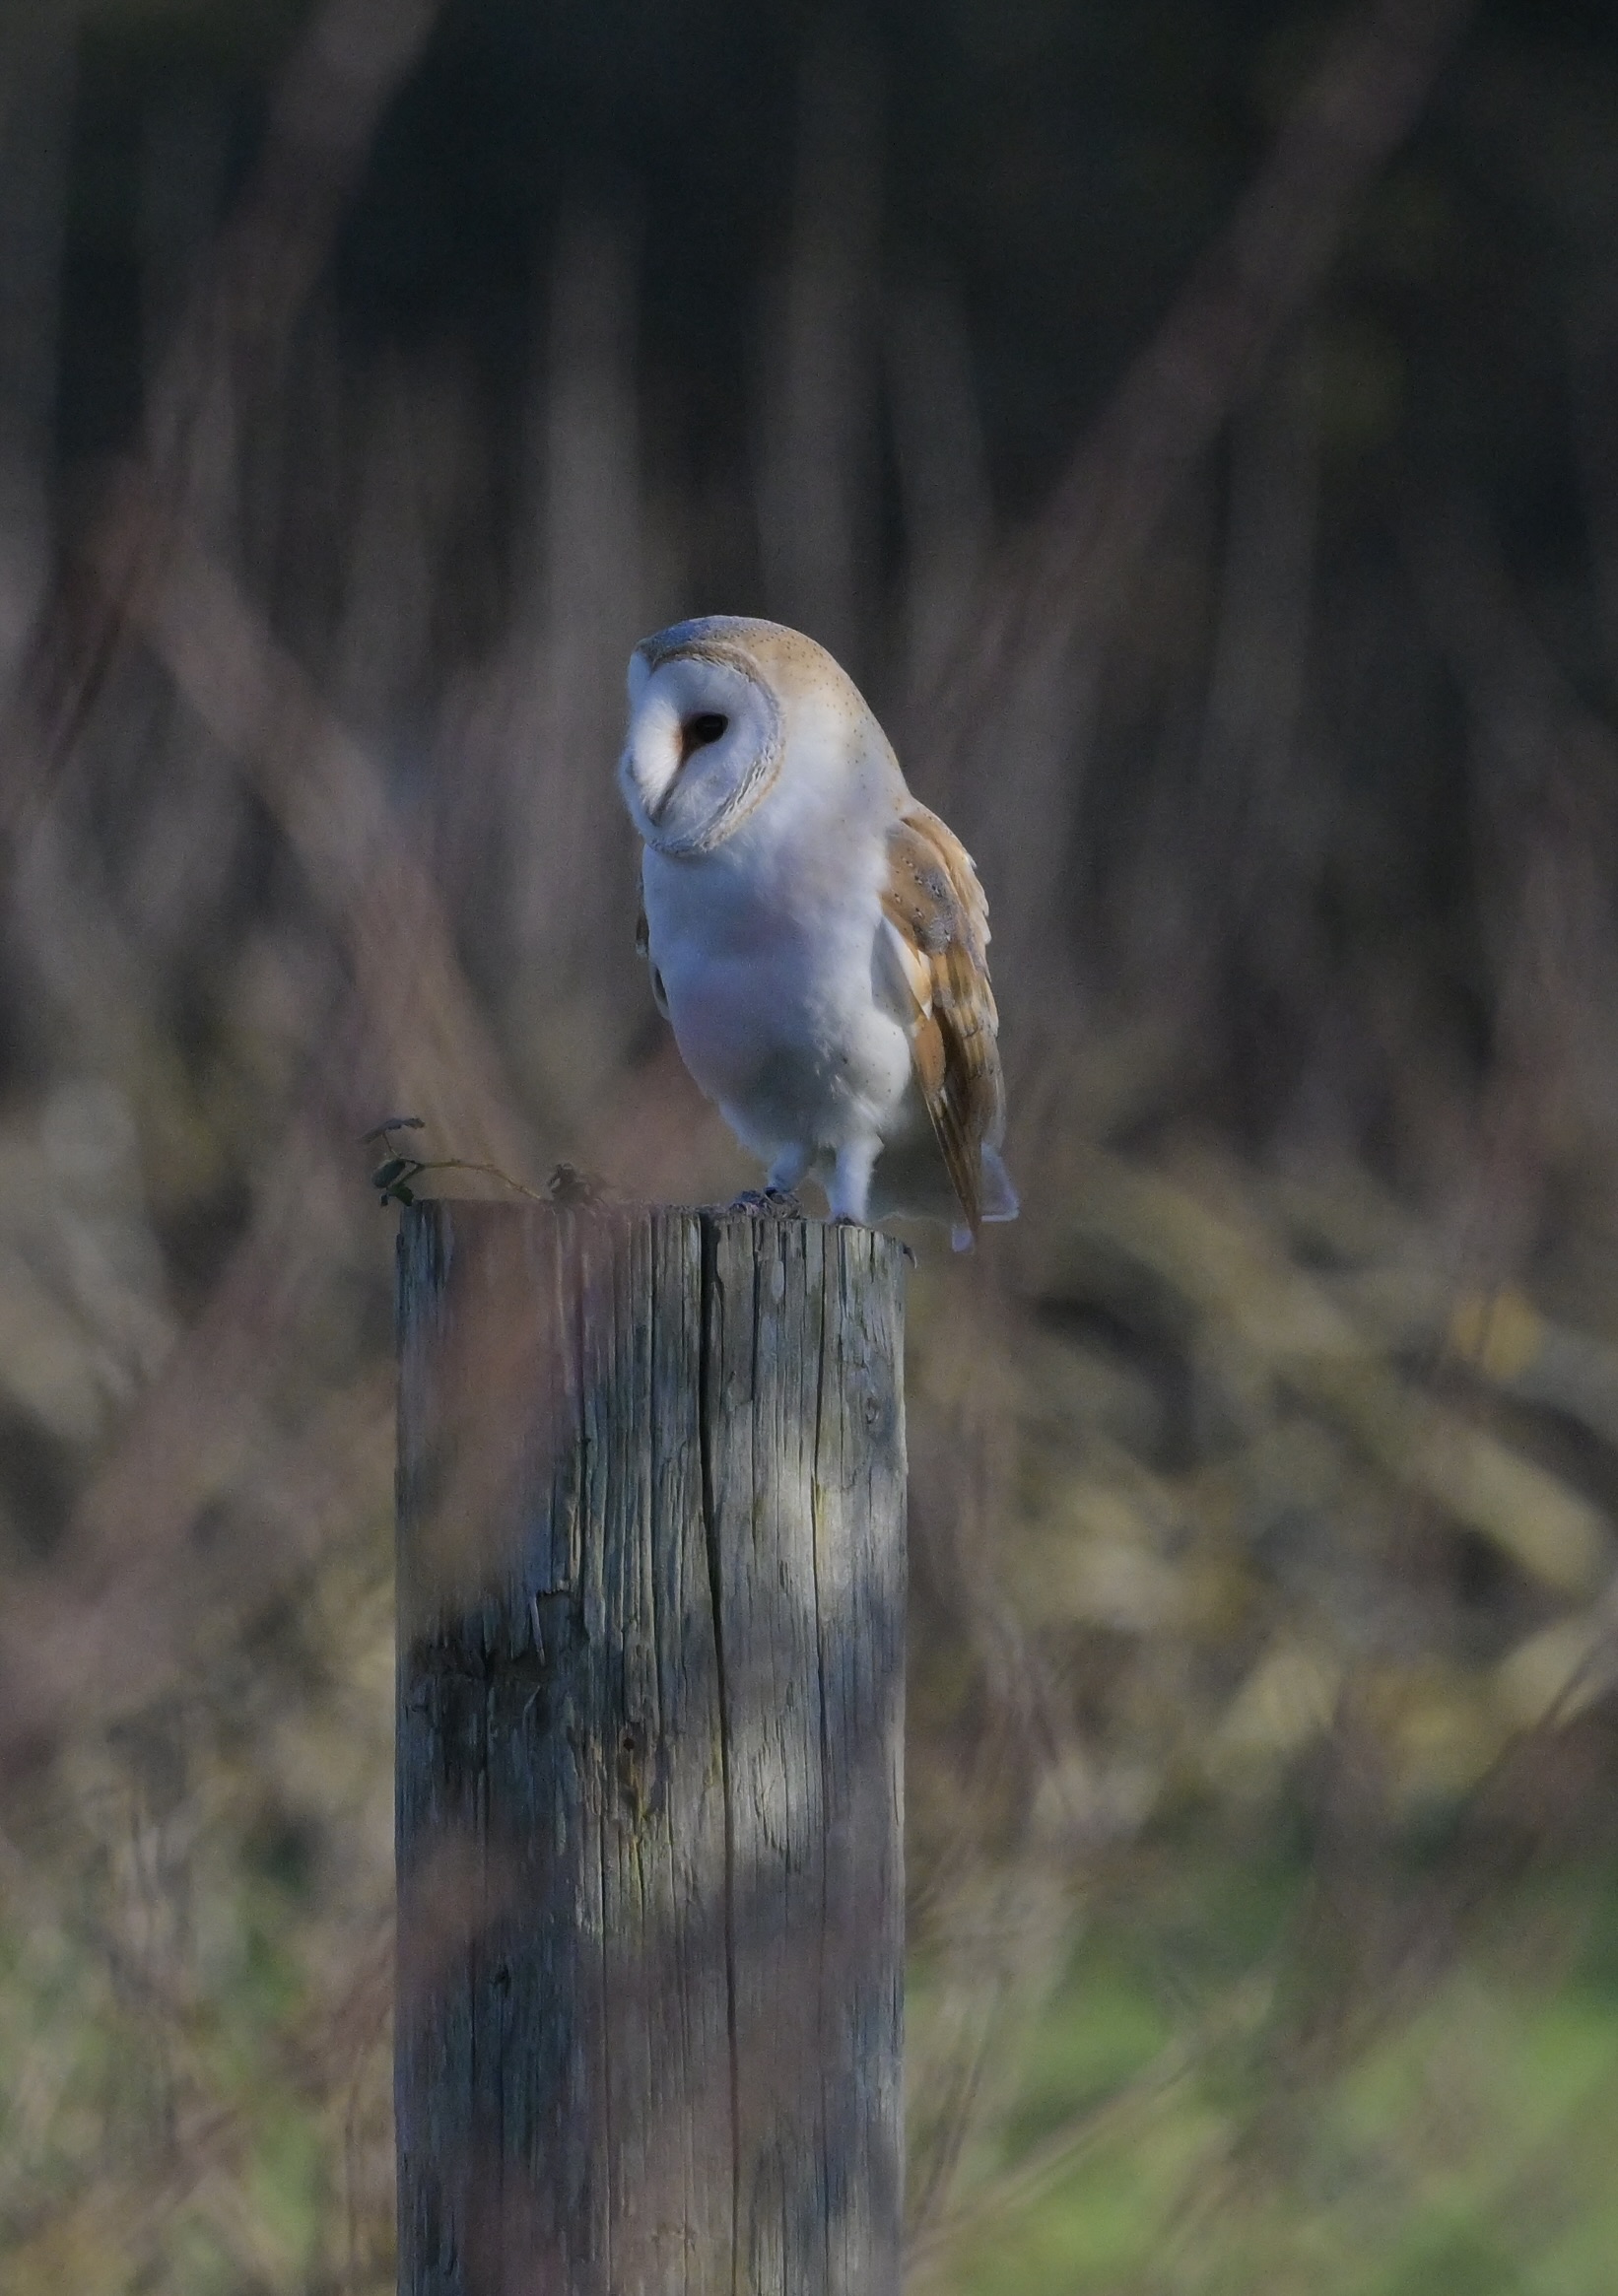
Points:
[395,1177]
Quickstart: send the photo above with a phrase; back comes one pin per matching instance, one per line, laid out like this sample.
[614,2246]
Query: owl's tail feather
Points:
[999,1200]
[999,1196]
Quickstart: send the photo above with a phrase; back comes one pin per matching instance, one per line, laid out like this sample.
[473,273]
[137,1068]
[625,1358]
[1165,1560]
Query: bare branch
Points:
[230,341]
[1071,573]
[330,799]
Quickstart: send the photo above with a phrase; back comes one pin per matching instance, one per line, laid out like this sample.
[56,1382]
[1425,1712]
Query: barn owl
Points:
[816,937]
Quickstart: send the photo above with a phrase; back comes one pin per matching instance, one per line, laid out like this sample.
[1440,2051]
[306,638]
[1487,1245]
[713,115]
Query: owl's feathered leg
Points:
[849,1191]
[788,1169]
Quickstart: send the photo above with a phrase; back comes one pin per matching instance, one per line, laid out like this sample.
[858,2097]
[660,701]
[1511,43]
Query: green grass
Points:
[1459,2144]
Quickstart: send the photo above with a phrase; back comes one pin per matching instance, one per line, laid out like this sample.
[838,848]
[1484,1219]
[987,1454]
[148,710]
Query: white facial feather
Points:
[704,745]
[816,938]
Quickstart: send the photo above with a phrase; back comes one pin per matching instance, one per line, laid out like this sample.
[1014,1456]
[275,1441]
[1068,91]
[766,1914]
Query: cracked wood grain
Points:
[649,1808]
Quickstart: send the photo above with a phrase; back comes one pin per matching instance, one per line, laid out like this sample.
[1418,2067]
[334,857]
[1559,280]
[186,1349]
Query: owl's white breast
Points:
[767,950]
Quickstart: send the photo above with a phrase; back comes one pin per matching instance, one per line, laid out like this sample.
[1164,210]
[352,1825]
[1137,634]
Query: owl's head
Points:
[716,707]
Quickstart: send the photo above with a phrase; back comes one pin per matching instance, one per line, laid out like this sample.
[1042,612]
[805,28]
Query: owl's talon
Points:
[773,1203]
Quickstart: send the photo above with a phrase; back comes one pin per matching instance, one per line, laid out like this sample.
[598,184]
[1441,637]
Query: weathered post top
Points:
[651,1589]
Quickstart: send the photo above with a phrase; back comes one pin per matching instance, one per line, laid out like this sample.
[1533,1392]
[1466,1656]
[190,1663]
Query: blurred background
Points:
[1195,424]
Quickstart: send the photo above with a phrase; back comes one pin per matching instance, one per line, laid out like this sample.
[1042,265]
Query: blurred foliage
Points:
[1263,1785]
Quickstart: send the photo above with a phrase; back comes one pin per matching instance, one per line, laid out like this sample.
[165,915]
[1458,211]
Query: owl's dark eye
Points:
[698,732]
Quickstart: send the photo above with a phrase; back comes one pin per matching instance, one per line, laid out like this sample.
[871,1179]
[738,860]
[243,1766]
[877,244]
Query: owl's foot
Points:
[849,1191]
[773,1203]
[577,1191]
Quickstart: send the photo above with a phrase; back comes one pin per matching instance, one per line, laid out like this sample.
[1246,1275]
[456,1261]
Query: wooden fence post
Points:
[651,1585]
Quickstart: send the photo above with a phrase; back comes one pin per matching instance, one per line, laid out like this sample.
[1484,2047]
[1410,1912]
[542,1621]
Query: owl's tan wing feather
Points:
[940,920]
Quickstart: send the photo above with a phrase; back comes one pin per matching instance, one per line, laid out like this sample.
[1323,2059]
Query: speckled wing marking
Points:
[642,947]
[940,920]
